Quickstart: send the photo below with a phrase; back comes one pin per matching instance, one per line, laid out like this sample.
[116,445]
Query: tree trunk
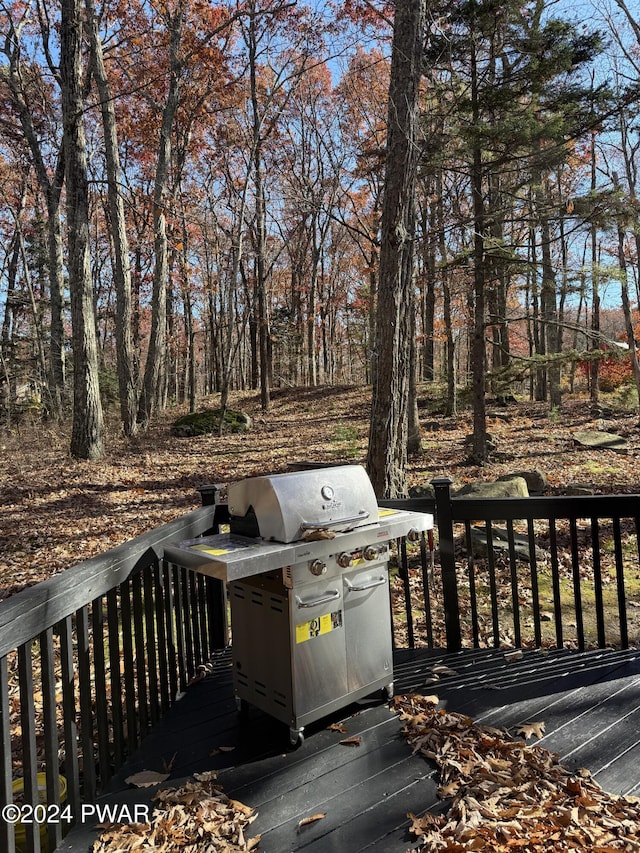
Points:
[87,432]
[626,306]
[387,455]
[154,385]
[51,187]
[548,299]
[478,348]
[122,270]
[261,276]
[595,288]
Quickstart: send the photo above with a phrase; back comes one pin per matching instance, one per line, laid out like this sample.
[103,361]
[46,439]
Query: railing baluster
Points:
[555,579]
[113,618]
[6,788]
[131,717]
[50,726]
[195,619]
[205,649]
[597,582]
[577,583]
[535,593]
[86,715]
[404,576]
[71,767]
[471,576]
[101,693]
[161,631]
[28,736]
[187,624]
[493,586]
[180,627]
[622,599]
[142,708]
[515,593]
[427,582]
[151,641]
[171,615]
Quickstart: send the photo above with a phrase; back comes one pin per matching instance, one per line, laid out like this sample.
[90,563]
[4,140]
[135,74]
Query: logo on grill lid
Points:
[327,493]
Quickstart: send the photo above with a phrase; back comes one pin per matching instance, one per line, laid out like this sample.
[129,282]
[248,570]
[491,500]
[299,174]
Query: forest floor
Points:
[58,511]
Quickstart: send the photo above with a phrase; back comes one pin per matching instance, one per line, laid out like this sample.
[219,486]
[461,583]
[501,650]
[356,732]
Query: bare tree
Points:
[388,431]
[87,433]
[122,271]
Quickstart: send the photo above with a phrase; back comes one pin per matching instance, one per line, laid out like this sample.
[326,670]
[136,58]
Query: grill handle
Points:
[362,587]
[336,522]
[332,595]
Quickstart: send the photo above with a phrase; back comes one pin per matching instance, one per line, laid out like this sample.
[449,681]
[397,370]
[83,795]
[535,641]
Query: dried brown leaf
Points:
[146,778]
[528,730]
[312,819]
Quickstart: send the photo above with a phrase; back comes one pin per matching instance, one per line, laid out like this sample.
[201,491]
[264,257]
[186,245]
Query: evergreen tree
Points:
[520,104]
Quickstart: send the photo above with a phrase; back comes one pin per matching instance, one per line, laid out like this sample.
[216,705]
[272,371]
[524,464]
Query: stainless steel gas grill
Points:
[306,560]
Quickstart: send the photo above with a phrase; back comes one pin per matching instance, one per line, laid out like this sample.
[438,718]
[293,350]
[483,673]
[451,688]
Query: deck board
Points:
[589,701]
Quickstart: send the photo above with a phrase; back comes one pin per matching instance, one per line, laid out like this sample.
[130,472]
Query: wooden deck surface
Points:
[590,703]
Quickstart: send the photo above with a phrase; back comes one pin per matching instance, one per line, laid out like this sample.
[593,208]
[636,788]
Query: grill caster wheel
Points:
[387,692]
[243,710]
[296,738]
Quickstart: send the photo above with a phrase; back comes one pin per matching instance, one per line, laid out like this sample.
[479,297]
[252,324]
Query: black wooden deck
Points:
[590,703]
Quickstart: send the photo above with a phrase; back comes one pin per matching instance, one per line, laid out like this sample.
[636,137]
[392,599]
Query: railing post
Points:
[216,590]
[442,487]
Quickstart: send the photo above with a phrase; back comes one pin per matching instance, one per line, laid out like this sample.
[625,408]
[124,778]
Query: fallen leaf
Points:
[351,741]
[528,730]
[307,820]
[146,778]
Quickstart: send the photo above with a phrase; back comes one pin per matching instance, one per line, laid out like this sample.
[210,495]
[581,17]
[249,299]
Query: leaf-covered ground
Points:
[506,795]
[57,511]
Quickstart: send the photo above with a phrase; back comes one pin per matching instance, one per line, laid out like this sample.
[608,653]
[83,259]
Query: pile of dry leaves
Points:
[196,817]
[507,795]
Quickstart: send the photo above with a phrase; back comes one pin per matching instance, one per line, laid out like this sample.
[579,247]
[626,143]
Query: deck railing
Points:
[92,658]
[532,572]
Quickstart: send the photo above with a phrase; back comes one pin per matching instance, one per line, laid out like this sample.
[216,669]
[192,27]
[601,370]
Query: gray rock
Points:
[579,489]
[536,480]
[600,440]
[424,490]
[514,487]
[500,543]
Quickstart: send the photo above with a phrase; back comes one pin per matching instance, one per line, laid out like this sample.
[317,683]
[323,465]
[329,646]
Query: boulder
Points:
[536,480]
[208,422]
[424,490]
[500,543]
[514,487]
[600,440]
[576,489]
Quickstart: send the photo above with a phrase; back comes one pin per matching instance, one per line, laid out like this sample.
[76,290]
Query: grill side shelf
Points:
[229,557]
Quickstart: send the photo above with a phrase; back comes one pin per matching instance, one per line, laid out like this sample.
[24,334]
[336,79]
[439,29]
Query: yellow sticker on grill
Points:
[317,627]
[384,512]
[215,552]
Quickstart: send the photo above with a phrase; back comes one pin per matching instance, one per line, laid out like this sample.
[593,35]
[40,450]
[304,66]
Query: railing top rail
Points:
[26,614]
[553,507]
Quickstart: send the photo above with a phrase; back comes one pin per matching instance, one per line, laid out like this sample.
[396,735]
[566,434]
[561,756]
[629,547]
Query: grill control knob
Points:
[318,568]
[371,552]
[413,536]
[344,560]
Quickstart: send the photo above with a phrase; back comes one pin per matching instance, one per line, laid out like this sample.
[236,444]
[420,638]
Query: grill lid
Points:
[288,507]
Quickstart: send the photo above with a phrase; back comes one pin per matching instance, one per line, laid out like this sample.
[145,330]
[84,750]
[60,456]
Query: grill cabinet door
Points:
[318,645]
[368,626]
